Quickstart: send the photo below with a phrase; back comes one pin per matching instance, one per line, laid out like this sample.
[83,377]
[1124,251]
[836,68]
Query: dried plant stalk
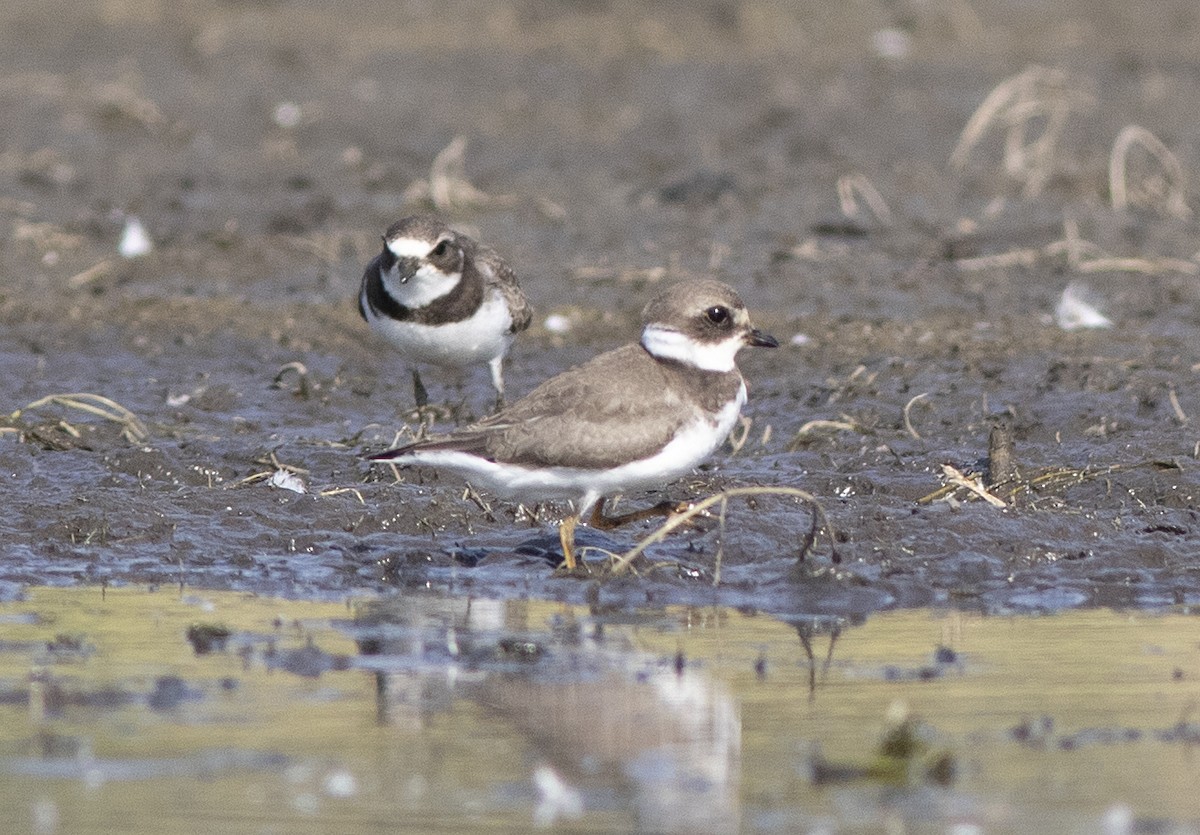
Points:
[854,185]
[94,404]
[1165,192]
[819,520]
[1013,105]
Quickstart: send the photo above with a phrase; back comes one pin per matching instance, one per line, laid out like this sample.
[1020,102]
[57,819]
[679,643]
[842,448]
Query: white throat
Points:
[669,344]
[426,286]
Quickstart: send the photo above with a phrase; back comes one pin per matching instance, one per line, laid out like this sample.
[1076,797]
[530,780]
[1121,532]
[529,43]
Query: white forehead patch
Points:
[409,247]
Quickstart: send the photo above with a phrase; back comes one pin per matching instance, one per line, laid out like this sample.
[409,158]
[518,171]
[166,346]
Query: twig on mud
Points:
[1082,256]
[1046,481]
[602,273]
[1164,191]
[1014,104]
[448,187]
[92,273]
[1071,244]
[301,372]
[848,185]
[327,247]
[46,236]
[974,485]
[132,428]
[472,495]
[814,427]
[819,520]
[1180,415]
[738,440]
[337,491]
[907,418]
[1012,258]
[1149,266]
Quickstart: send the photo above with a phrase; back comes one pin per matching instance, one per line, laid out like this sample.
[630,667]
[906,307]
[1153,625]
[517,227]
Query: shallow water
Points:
[265,146]
[423,711]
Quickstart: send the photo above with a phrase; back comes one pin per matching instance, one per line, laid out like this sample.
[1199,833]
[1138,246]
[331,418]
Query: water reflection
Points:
[807,631]
[595,708]
[427,711]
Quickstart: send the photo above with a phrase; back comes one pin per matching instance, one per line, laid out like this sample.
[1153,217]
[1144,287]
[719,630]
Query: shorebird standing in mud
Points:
[633,418]
[444,299]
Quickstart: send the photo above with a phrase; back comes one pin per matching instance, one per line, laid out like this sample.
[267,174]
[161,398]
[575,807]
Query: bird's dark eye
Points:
[440,249]
[718,314]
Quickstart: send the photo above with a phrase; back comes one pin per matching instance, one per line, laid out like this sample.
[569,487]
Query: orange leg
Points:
[607,523]
[566,536]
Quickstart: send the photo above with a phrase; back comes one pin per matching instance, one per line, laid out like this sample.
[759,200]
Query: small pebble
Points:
[135,240]
[557,323]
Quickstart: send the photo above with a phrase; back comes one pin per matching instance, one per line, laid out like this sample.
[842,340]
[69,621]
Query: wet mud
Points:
[802,154]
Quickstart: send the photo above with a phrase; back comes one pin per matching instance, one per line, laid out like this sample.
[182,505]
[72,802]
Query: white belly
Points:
[482,338]
[679,457]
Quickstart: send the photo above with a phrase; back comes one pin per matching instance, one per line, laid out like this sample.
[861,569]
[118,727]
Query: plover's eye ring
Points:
[718,314]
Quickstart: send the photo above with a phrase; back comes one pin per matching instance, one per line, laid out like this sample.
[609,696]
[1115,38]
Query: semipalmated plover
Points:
[442,298]
[636,417]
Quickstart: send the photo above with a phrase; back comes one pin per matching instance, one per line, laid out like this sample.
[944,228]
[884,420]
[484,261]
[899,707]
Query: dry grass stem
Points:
[448,187]
[819,520]
[472,495]
[974,485]
[817,427]
[82,279]
[811,250]
[46,236]
[1180,415]
[621,275]
[300,370]
[854,185]
[337,491]
[1147,266]
[737,439]
[1012,258]
[1163,190]
[132,428]
[1081,255]
[328,247]
[1006,491]
[120,99]
[1036,95]
[907,418]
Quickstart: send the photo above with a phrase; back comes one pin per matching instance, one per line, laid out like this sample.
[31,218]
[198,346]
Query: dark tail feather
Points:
[475,444]
[389,454]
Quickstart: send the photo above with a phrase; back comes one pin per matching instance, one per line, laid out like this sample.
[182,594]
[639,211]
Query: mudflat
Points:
[915,200]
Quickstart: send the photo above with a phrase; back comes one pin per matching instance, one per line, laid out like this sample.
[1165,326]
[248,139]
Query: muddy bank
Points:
[608,149]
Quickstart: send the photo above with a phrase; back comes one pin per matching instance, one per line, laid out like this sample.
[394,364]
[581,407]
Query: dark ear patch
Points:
[387,259]
[445,255]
